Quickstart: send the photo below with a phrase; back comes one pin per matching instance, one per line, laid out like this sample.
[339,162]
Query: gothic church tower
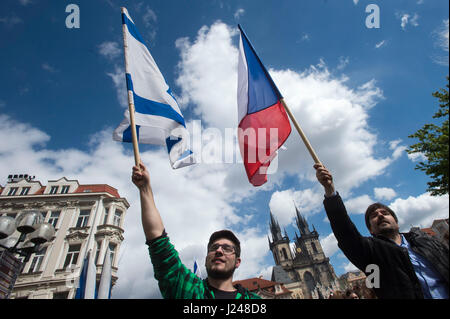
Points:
[305,267]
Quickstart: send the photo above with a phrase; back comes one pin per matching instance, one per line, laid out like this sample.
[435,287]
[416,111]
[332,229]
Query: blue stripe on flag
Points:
[132,28]
[262,91]
[129,82]
[82,281]
[127,134]
[185,154]
[145,106]
[195,267]
[171,141]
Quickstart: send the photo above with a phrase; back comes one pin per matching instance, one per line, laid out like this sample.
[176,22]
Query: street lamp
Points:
[30,224]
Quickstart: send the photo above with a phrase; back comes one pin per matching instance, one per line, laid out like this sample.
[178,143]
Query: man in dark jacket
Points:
[411,265]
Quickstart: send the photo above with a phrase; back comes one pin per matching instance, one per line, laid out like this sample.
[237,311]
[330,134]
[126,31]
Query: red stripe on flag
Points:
[260,135]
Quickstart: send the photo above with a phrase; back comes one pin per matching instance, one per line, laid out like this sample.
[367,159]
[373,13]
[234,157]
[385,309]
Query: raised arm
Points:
[325,178]
[350,241]
[151,219]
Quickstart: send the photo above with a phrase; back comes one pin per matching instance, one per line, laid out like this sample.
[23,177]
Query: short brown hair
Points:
[373,208]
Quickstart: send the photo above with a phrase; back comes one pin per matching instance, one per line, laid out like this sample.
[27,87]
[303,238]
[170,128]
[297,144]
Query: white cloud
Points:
[358,205]
[308,202]
[213,93]
[444,35]
[305,37]
[239,13]
[282,207]
[25,2]
[329,245]
[417,157]
[47,67]
[398,149]
[110,50]
[355,2]
[441,37]
[406,19]
[119,84]
[349,267]
[384,193]
[10,21]
[420,211]
[343,62]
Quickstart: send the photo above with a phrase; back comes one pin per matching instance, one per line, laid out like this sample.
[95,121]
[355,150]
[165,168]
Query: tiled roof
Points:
[429,231]
[97,188]
[253,284]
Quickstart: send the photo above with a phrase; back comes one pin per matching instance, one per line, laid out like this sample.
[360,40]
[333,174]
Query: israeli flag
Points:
[196,270]
[87,282]
[158,118]
[104,288]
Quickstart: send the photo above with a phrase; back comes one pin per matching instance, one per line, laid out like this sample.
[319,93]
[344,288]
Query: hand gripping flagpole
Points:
[302,135]
[130,98]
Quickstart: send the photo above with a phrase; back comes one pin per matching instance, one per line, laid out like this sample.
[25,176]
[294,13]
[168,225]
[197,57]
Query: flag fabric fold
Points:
[263,123]
[158,118]
[87,281]
[104,287]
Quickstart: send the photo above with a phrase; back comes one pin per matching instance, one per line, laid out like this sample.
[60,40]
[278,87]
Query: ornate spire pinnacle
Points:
[302,224]
[275,228]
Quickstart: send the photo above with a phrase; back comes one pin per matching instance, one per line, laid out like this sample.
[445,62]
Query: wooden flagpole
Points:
[302,135]
[137,159]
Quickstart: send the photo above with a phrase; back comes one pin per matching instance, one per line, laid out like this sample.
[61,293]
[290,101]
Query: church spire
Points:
[302,224]
[275,228]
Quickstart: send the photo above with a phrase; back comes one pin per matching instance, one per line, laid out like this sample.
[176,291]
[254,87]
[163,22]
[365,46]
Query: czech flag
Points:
[263,123]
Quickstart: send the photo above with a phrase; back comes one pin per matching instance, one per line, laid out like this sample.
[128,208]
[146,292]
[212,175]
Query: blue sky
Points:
[357,92]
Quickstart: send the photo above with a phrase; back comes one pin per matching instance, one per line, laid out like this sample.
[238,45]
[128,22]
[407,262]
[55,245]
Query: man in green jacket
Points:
[175,280]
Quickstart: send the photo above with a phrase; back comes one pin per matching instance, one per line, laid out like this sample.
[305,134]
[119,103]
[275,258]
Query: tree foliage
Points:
[433,144]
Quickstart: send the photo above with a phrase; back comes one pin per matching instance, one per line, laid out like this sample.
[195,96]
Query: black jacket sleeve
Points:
[354,246]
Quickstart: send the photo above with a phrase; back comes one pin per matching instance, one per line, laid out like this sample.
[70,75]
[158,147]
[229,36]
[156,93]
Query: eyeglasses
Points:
[227,249]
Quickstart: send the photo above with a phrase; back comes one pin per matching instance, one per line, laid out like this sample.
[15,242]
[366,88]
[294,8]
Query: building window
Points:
[13,191]
[36,262]
[61,295]
[72,255]
[83,218]
[65,189]
[105,220]
[314,248]
[54,189]
[112,248]
[54,216]
[117,217]
[25,190]
[285,256]
[97,253]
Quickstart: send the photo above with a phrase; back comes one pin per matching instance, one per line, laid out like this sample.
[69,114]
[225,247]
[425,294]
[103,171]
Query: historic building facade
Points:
[85,217]
[301,265]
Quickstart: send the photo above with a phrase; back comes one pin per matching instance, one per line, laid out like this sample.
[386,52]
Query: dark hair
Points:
[228,235]
[373,208]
